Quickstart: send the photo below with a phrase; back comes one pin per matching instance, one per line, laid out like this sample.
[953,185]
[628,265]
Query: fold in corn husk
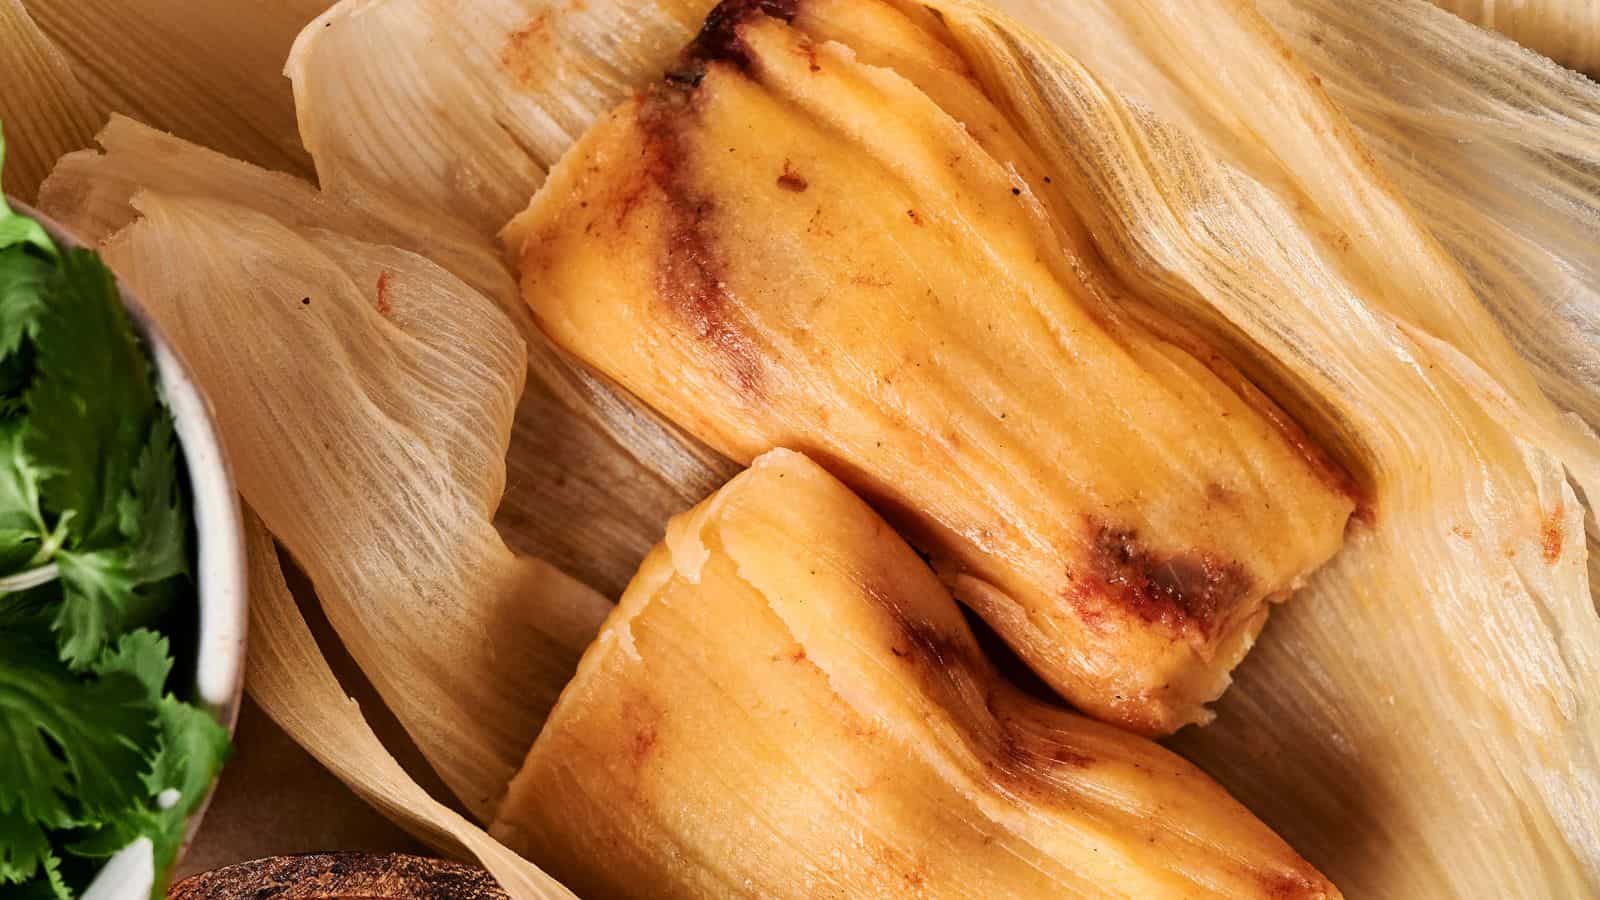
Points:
[42,91]
[1429,687]
[365,398]
[786,703]
[204,71]
[292,682]
[1567,31]
[407,163]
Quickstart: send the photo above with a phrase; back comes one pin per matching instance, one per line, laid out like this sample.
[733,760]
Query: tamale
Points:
[788,704]
[784,244]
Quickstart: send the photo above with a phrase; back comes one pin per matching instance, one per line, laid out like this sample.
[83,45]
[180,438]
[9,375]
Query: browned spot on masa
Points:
[644,741]
[690,272]
[384,308]
[790,180]
[1188,591]
[1552,533]
[810,51]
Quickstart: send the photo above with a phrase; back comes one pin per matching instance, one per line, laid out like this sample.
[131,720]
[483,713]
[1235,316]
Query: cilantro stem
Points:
[51,543]
[29,579]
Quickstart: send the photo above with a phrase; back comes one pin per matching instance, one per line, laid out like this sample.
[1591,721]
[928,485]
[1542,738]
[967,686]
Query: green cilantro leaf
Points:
[193,749]
[22,526]
[96,591]
[143,654]
[91,403]
[23,277]
[94,545]
[19,484]
[100,585]
[73,747]
[47,884]
[153,514]
[24,848]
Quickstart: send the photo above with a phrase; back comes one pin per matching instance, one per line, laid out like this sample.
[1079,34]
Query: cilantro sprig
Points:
[95,546]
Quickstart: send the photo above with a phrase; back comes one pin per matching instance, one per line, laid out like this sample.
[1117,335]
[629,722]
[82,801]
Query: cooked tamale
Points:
[787,703]
[818,233]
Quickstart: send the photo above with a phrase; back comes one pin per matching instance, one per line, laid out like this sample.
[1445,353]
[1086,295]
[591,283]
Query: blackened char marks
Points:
[719,36]
[690,272]
[1188,592]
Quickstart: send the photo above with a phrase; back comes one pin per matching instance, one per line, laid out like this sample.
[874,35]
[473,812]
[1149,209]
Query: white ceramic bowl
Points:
[220,573]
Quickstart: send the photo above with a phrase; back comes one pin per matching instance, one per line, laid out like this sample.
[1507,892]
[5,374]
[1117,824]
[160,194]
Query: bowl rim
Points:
[221,579]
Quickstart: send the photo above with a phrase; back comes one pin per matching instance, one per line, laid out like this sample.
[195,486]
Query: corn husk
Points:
[526,78]
[1420,723]
[1232,191]
[292,682]
[1476,551]
[787,704]
[203,71]
[45,107]
[365,397]
[1567,31]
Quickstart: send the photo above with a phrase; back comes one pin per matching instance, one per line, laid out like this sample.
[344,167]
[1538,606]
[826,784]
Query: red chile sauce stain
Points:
[526,44]
[383,305]
[791,180]
[1552,534]
[1187,592]
[691,272]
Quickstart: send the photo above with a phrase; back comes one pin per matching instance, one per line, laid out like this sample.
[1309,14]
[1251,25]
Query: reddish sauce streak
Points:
[791,180]
[383,305]
[690,272]
[522,50]
[1552,534]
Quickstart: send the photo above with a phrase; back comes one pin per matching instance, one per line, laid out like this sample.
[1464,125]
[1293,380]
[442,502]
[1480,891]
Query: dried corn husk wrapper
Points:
[1451,641]
[291,680]
[1421,721]
[365,397]
[1567,31]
